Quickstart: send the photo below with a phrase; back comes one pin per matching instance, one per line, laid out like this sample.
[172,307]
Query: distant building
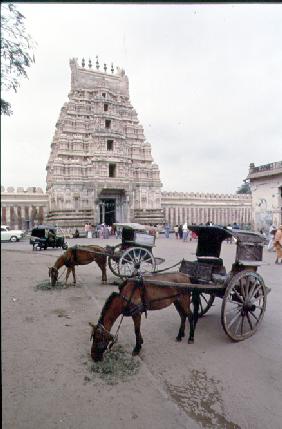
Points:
[200,207]
[266,187]
[23,208]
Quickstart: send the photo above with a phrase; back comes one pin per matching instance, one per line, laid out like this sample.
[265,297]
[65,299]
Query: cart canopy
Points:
[211,237]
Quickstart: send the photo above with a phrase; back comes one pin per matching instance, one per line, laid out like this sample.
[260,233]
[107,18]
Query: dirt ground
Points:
[48,377]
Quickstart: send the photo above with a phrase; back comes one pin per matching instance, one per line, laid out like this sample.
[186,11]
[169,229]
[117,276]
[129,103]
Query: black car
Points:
[44,236]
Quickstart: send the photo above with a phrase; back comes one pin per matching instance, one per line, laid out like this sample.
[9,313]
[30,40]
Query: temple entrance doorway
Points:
[107,211]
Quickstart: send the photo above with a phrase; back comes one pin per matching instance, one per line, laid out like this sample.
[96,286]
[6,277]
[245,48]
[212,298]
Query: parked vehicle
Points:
[45,236]
[8,234]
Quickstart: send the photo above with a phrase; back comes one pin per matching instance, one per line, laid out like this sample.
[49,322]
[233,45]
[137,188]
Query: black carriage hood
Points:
[211,237]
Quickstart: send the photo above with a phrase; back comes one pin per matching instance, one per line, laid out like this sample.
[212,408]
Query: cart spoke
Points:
[249,321]
[230,300]
[243,292]
[252,291]
[231,322]
[242,325]
[254,316]
[232,310]
[257,298]
[238,324]
[238,296]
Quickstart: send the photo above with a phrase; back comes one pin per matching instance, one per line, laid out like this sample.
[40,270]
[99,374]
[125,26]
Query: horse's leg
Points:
[183,315]
[69,269]
[193,317]
[102,266]
[139,339]
[73,274]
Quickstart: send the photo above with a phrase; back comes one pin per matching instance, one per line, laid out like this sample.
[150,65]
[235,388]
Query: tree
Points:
[244,188]
[16,51]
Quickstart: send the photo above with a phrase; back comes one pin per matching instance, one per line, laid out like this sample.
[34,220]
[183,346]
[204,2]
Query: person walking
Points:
[272,232]
[180,232]
[176,231]
[278,245]
[185,232]
[167,229]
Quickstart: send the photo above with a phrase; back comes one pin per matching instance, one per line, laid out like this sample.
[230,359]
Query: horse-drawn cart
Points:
[242,289]
[134,254]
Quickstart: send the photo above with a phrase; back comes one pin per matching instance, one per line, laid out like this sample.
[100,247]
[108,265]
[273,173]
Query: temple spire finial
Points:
[97,63]
[112,68]
[105,68]
[83,62]
[90,63]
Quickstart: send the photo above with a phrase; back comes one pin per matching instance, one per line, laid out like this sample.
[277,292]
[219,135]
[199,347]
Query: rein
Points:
[168,268]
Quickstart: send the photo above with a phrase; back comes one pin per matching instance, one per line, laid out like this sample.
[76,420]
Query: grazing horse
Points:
[79,255]
[137,296]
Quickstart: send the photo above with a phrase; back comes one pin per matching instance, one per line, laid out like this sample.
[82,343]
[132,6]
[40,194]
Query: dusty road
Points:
[47,381]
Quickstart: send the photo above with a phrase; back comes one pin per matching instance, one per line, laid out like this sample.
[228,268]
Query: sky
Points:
[205,80]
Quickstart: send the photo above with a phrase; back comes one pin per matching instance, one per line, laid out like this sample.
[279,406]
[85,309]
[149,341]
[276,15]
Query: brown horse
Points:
[137,296]
[79,255]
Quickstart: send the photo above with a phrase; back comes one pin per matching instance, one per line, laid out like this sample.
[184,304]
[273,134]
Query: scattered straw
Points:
[118,365]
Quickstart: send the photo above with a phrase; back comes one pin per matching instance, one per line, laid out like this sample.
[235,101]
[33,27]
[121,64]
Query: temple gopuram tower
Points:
[100,168]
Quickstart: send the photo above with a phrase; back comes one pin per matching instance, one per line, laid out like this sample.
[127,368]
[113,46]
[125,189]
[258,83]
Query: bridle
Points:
[52,269]
[104,344]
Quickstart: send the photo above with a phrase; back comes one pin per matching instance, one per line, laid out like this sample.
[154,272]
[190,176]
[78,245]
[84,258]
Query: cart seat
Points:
[219,278]
[210,260]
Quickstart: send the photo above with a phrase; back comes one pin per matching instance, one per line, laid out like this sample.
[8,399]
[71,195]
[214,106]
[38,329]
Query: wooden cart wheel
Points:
[243,305]
[206,301]
[114,260]
[136,260]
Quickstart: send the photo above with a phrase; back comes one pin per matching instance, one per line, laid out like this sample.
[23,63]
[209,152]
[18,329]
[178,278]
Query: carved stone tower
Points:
[100,168]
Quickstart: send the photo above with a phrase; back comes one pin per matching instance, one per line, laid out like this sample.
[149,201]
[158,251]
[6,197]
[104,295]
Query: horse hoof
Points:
[135,352]
[190,341]
[178,339]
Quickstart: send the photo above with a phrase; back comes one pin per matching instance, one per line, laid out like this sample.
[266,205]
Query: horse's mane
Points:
[107,305]
[121,286]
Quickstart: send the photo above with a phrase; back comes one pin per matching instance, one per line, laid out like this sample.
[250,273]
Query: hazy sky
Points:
[205,80]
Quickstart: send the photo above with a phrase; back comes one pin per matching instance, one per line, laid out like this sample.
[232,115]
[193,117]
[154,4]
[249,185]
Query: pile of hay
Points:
[46,285]
[118,365]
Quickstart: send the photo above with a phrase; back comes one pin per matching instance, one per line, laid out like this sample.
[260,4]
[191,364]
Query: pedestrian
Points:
[105,232]
[272,232]
[76,234]
[180,232]
[278,245]
[185,232]
[229,240]
[167,230]
[176,231]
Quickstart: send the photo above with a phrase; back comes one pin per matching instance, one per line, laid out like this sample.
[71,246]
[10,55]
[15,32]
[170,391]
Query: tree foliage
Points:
[244,188]
[16,51]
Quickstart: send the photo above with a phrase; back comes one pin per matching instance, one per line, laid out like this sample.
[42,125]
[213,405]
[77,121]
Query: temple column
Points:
[176,215]
[8,215]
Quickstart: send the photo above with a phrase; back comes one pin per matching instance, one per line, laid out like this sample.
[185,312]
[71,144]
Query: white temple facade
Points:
[100,167]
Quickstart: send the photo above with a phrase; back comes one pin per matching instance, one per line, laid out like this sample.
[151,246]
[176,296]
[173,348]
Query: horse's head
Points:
[53,274]
[101,340]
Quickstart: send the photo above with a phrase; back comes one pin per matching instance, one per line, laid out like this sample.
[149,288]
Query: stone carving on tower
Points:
[100,168]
